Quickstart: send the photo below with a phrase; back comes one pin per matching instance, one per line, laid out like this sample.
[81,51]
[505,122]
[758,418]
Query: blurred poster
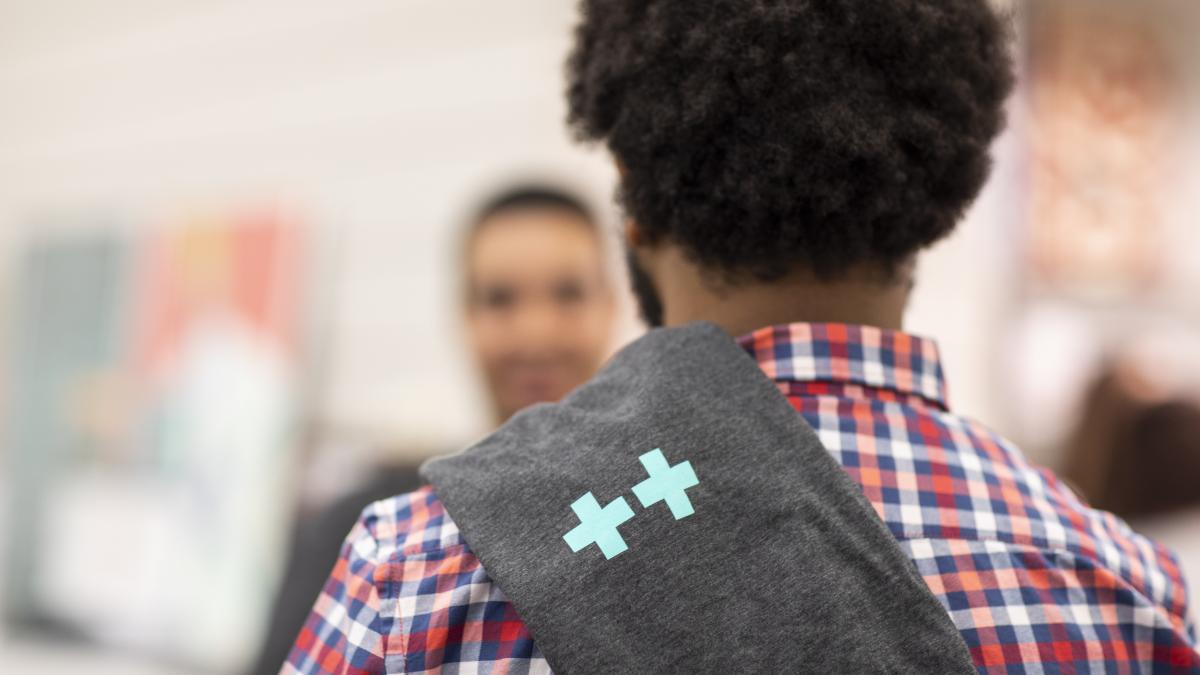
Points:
[159,522]
[1111,243]
[67,326]
[1102,97]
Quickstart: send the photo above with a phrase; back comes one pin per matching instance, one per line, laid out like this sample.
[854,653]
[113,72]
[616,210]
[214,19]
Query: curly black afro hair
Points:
[764,135]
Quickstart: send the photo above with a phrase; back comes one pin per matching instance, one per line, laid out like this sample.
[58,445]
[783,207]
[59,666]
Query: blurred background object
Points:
[154,409]
[229,255]
[1102,362]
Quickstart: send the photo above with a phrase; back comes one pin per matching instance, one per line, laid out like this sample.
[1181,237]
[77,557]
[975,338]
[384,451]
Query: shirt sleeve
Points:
[343,634]
[1177,600]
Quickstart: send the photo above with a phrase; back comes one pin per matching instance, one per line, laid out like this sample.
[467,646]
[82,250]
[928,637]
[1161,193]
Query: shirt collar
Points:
[844,353]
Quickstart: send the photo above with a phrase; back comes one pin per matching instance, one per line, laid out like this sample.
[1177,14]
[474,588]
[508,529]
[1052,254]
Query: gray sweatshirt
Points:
[676,515]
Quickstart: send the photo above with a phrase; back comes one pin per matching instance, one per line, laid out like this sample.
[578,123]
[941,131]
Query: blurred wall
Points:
[375,121]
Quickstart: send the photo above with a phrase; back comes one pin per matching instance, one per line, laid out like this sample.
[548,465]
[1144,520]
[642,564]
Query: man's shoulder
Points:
[1043,512]
[409,524]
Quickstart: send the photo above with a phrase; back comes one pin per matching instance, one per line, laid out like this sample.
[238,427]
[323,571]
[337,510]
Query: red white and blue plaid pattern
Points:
[1036,581]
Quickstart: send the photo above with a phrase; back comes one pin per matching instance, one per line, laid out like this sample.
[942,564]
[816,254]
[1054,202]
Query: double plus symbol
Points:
[599,525]
[666,483]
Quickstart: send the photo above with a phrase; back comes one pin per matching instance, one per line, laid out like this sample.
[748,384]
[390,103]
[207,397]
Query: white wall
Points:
[377,121]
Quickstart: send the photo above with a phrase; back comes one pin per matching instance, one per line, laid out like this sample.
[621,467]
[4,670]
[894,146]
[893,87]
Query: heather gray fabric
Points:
[784,567]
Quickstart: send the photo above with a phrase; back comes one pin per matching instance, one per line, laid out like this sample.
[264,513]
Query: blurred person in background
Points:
[539,305]
[539,309]
[782,166]
[1136,448]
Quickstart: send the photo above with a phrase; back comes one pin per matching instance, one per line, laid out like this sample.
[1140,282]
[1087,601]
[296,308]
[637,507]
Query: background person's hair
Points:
[762,135]
[523,197]
[531,196]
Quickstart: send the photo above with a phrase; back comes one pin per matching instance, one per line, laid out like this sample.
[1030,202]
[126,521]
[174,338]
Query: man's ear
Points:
[633,234]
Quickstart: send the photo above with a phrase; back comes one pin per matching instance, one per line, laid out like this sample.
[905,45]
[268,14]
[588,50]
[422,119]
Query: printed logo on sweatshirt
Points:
[599,525]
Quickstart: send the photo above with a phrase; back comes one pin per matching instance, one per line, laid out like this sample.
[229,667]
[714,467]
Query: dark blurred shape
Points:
[1135,454]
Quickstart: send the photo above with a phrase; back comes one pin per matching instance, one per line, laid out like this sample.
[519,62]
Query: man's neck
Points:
[863,296]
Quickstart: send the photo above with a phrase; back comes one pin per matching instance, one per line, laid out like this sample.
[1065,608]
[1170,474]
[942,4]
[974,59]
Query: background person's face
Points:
[540,313]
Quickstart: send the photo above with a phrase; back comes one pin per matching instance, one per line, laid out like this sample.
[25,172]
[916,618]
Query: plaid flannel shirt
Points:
[1035,580]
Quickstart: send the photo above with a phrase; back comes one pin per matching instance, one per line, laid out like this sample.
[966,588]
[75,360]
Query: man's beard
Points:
[649,301]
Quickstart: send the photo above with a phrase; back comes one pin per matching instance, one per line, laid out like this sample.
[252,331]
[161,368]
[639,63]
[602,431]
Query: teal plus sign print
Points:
[599,525]
[666,483]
